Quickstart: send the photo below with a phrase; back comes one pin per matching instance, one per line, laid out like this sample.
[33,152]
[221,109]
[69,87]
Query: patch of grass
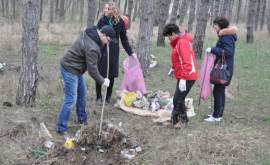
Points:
[266,119]
[51,52]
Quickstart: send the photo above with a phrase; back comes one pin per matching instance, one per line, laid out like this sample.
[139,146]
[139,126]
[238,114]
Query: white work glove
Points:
[208,50]
[182,85]
[171,72]
[134,55]
[106,82]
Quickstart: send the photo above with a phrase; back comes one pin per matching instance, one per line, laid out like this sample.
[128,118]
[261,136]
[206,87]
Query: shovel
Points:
[98,143]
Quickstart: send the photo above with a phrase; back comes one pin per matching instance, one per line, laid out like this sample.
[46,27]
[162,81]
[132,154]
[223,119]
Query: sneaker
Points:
[213,119]
[100,101]
[212,116]
[110,101]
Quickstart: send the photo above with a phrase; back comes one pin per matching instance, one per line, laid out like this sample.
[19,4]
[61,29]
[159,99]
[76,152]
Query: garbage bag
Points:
[133,77]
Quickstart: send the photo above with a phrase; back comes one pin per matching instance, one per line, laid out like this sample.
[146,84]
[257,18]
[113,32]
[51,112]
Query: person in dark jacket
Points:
[226,42]
[185,71]
[81,56]
[111,16]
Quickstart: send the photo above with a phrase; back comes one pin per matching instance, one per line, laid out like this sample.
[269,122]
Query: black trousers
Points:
[179,109]
[219,100]
[109,89]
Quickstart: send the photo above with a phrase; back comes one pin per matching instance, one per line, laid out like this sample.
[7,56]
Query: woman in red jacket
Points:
[185,71]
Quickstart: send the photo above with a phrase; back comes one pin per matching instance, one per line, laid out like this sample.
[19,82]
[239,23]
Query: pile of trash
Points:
[114,146]
[158,105]
[152,101]
[2,67]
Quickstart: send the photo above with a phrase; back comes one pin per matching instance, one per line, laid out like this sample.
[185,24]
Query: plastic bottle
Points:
[39,152]
[78,134]
[45,130]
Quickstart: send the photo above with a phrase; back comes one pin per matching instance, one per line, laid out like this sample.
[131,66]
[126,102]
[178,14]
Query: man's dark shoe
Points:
[64,134]
[110,101]
[99,101]
[83,122]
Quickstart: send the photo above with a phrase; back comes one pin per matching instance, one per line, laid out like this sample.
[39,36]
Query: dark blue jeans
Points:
[219,100]
[179,109]
[75,92]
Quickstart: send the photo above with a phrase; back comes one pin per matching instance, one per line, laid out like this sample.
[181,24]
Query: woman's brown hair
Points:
[115,13]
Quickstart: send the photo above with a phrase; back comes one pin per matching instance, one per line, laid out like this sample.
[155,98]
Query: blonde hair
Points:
[115,12]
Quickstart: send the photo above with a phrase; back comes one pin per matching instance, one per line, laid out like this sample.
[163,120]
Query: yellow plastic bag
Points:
[130,98]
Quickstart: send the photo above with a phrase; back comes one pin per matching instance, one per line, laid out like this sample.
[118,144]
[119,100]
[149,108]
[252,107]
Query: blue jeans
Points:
[75,92]
[219,100]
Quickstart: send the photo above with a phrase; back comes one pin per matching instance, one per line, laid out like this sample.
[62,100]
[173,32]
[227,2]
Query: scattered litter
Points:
[78,135]
[120,124]
[100,150]
[124,141]
[127,155]
[83,148]
[45,130]
[189,135]
[138,149]
[68,144]
[39,152]
[49,144]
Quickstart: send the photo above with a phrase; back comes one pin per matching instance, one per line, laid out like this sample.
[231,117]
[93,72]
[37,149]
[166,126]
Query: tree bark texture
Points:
[230,7]
[135,13]
[238,11]
[3,8]
[258,5]
[125,6]
[145,35]
[92,10]
[183,12]
[163,15]
[156,11]
[6,8]
[62,9]
[56,9]
[51,10]
[40,10]
[130,8]
[216,9]
[174,11]
[250,21]
[263,6]
[191,17]
[81,10]
[26,92]
[13,9]
[200,29]
[224,9]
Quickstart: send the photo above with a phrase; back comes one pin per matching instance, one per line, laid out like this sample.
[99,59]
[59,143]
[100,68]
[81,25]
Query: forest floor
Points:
[242,137]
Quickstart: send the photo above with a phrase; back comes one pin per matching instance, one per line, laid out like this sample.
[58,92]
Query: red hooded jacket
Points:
[183,58]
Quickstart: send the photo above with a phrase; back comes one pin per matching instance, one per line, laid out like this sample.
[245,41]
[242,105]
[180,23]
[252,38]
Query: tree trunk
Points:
[200,28]
[62,9]
[3,8]
[263,6]
[26,92]
[183,12]
[51,10]
[6,8]
[224,9]
[92,9]
[268,24]
[191,17]
[258,5]
[250,21]
[125,6]
[238,11]
[40,10]
[216,8]
[81,10]
[145,35]
[230,7]
[56,9]
[135,10]
[13,9]
[174,11]
[130,7]
[163,15]
[156,11]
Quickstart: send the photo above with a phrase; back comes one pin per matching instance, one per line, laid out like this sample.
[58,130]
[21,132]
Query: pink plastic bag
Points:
[207,64]
[133,78]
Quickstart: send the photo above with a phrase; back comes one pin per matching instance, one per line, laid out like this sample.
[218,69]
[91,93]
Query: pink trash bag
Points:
[133,80]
